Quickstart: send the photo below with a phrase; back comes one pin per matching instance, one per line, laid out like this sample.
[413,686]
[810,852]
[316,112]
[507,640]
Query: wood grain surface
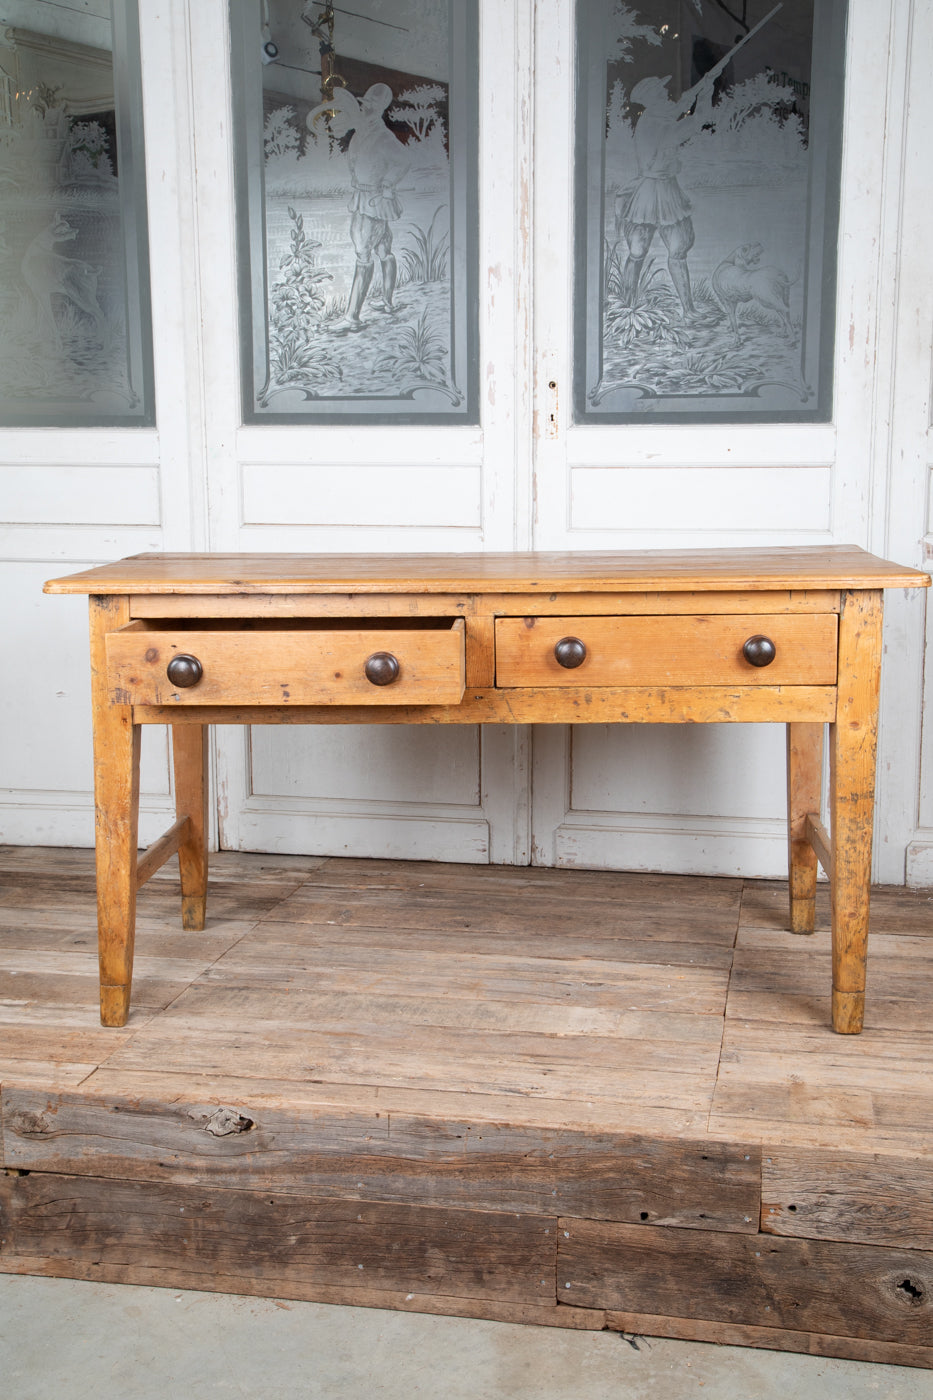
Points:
[351,1244]
[800,566]
[808,1285]
[694,650]
[458,1089]
[283,666]
[853,740]
[574,704]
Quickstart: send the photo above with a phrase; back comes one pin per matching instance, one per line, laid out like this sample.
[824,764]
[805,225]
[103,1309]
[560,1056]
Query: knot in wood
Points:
[226,1121]
[912,1291]
[27,1124]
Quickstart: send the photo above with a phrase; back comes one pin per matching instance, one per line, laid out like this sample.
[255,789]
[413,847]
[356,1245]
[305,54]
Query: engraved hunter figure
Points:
[654,202]
[377,161]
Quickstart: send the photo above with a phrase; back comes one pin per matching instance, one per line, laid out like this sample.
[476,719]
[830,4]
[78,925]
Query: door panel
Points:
[661,797]
[368,790]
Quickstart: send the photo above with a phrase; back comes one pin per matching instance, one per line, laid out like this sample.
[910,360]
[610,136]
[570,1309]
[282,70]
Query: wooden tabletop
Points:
[677,570]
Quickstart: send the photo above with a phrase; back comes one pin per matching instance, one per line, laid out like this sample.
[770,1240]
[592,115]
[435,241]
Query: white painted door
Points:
[711,799]
[454,793]
[74,495]
[200,480]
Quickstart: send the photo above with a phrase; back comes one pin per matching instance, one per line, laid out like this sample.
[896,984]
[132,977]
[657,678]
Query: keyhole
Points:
[552,409]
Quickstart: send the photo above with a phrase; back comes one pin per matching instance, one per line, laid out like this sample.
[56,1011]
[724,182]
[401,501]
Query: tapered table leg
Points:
[116,801]
[189,753]
[853,751]
[804,784]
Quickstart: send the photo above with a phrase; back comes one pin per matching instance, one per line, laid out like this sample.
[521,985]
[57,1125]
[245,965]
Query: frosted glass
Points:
[356,134]
[707,187]
[74,299]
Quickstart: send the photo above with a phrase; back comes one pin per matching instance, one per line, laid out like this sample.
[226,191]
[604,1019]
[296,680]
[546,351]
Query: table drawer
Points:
[669,650]
[318,663]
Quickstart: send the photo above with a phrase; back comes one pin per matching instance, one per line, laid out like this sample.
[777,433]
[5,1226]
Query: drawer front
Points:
[670,650]
[285,666]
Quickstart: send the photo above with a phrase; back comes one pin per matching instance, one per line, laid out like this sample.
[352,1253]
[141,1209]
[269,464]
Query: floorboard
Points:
[580,1098]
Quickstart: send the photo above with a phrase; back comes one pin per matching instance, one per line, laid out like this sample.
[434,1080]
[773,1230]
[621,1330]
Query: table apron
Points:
[545,705]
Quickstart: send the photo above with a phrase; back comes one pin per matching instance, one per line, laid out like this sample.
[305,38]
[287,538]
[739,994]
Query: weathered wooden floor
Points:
[578,1098]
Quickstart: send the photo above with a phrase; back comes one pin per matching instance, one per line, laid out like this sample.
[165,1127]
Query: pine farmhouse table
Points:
[672,637]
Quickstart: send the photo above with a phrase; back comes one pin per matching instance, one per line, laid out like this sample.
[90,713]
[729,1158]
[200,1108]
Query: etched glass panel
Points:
[357,140]
[74,295]
[707,186]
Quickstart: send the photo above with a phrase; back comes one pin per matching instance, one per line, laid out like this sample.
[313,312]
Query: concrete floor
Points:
[77,1341]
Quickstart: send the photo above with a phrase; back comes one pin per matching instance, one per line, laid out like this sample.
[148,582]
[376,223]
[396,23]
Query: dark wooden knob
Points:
[759,651]
[381,668]
[570,652]
[184,670]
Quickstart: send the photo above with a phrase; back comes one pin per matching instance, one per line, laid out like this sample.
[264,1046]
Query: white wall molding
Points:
[396,832]
[685,845]
[67,818]
[920,861]
[901,446]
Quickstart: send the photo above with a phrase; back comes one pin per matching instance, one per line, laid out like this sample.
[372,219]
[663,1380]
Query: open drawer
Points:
[295,662]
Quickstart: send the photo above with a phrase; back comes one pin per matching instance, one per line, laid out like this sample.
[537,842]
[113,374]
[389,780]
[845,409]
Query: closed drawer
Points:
[669,650]
[313,664]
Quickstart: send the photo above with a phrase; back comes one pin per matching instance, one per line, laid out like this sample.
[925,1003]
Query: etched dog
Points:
[740,279]
[48,273]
